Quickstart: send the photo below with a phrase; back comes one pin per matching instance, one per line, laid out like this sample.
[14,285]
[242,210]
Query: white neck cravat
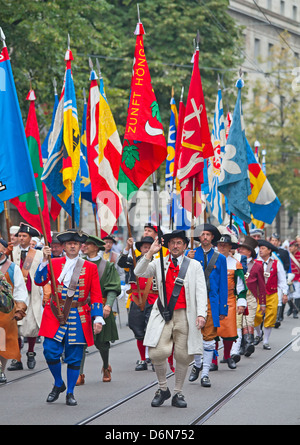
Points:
[67,271]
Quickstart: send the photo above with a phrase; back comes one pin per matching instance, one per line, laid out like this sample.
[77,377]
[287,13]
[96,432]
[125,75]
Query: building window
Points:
[295,12]
[282,7]
[270,61]
[256,49]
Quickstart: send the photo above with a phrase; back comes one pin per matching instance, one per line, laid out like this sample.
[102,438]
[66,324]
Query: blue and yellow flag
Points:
[171,146]
[61,171]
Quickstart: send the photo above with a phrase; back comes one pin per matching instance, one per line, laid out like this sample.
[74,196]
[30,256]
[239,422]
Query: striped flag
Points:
[171,145]
[104,157]
[61,170]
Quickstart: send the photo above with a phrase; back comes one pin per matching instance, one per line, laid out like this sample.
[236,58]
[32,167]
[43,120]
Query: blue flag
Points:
[233,180]
[16,173]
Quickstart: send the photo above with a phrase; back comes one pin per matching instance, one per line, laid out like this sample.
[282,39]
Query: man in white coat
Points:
[28,259]
[177,325]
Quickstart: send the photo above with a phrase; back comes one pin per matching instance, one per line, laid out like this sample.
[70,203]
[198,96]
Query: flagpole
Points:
[193,214]
[194,179]
[159,240]
[7,226]
[133,254]
[60,316]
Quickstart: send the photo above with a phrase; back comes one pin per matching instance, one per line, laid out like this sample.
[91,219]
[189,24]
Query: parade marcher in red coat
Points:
[77,331]
[275,278]
[294,297]
[140,306]
[256,293]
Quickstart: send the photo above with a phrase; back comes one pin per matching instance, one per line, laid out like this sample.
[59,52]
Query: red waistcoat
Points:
[272,281]
[172,274]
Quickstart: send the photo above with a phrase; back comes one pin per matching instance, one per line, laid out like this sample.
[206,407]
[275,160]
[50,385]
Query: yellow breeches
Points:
[270,314]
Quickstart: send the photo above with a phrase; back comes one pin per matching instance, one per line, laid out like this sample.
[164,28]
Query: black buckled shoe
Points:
[231,363]
[3,378]
[31,360]
[194,373]
[141,365]
[205,382]
[160,397]
[54,394]
[15,366]
[178,401]
[70,400]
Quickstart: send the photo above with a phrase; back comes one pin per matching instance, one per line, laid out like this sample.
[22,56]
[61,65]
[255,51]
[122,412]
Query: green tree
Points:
[273,119]
[36,35]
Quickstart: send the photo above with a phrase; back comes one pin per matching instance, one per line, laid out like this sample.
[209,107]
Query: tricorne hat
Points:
[206,227]
[110,237]
[27,228]
[175,234]
[250,243]
[231,239]
[145,239]
[97,241]
[72,235]
[263,242]
[54,238]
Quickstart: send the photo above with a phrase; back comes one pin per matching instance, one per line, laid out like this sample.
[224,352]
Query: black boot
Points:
[291,309]
[248,344]
[277,322]
[242,347]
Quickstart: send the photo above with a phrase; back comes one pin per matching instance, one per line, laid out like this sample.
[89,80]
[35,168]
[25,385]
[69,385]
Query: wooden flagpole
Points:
[133,252]
[60,315]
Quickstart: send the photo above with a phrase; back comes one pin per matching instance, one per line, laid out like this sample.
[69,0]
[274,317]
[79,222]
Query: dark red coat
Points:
[89,284]
[256,282]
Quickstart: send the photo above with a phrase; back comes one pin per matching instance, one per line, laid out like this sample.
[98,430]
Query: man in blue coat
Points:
[215,270]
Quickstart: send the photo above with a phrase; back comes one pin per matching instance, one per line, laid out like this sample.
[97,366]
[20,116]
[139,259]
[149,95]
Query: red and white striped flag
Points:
[104,157]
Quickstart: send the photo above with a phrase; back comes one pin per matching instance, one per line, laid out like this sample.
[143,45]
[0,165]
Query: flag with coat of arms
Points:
[234,180]
[61,170]
[195,143]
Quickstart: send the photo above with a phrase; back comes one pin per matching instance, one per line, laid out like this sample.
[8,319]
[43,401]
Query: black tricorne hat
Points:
[227,239]
[27,228]
[72,235]
[145,239]
[206,227]
[175,234]
[110,237]
[263,242]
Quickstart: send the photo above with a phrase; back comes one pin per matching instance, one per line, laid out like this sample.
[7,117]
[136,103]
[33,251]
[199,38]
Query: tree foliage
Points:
[36,35]
[273,119]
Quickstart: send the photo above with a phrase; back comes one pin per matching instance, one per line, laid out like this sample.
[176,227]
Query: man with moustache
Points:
[178,325]
[215,270]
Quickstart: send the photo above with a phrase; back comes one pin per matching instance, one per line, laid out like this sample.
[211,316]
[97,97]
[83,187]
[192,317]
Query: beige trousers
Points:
[174,333]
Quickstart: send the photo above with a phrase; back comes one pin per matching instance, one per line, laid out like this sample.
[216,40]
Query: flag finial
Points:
[138,12]
[54,85]
[68,41]
[2,36]
[91,64]
[197,40]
